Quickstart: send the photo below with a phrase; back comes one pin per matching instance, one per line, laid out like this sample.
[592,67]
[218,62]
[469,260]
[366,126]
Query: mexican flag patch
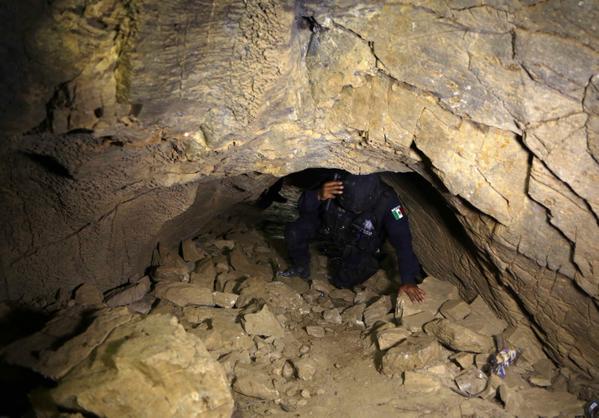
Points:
[397,212]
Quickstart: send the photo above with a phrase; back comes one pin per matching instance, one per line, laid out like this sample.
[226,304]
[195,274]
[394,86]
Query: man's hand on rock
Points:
[330,190]
[415,294]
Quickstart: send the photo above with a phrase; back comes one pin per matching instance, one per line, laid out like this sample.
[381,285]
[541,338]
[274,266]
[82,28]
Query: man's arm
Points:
[398,230]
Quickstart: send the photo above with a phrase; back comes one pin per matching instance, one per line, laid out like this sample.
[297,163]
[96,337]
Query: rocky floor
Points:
[287,347]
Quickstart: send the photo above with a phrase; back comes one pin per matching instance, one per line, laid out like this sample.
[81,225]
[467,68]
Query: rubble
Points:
[332,316]
[305,368]
[463,359]
[420,383]
[437,293]
[412,353]
[482,319]
[171,273]
[268,338]
[415,322]
[204,275]
[354,315]
[389,337]
[137,355]
[184,294]
[315,331]
[262,323]
[254,383]
[223,244]
[377,311]
[281,298]
[288,371]
[88,294]
[224,300]
[322,286]
[129,294]
[345,295]
[190,252]
[459,337]
[455,309]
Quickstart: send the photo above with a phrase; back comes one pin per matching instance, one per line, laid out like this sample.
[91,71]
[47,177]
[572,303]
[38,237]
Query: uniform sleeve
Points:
[309,202]
[398,231]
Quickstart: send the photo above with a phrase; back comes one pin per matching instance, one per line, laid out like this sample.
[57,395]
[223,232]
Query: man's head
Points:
[360,192]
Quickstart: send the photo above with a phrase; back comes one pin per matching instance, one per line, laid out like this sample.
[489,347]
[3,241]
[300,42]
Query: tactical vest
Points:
[342,228]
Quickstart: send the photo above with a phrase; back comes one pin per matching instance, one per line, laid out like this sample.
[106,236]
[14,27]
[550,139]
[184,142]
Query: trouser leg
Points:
[298,235]
[352,268]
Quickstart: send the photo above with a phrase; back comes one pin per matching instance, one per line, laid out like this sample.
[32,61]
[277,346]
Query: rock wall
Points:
[118,115]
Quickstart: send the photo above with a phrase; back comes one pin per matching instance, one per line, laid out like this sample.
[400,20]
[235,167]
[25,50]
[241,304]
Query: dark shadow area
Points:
[16,382]
[50,164]
[415,184]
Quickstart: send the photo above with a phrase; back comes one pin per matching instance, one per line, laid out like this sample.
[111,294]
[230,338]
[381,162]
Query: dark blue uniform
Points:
[353,227]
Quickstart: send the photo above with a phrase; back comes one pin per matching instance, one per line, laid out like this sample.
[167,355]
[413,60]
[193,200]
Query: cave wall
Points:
[118,114]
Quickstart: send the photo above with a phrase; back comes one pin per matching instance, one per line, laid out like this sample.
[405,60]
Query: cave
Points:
[141,140]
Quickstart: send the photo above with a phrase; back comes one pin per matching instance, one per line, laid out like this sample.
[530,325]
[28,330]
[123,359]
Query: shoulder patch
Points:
[398,212]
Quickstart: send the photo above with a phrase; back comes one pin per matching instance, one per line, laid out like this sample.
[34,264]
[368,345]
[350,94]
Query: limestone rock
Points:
[437,293]
[296,283]
[288,371]
[322,286]
[354,314]
[412,353]
[263,323]
[458,337]
[315,331]
[88,294]
[455,309]
[230,280]
[389,337]
[305,368]
[222,244]
[138,354]
[377,311]
[191,252]
[415,322]
[379,283]
[365,296]
[540,380]
[465,360]
[142,306]
[344,294]
[172,274]
[57,363]
[29,351]
[184,294]
[204,274]
[332,316]
[129,294]
[312,296]
[221,267]
[218,328]
[281,298]
[482,319]
[420,383]
[240,262]
[523,339]
[224,300]
[254,383]
[230,361]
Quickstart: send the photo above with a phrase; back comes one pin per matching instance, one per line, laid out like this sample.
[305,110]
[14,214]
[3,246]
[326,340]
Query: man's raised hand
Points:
[330,190]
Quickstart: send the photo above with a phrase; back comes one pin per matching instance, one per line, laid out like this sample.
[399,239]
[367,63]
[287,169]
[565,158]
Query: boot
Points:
[295,271]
